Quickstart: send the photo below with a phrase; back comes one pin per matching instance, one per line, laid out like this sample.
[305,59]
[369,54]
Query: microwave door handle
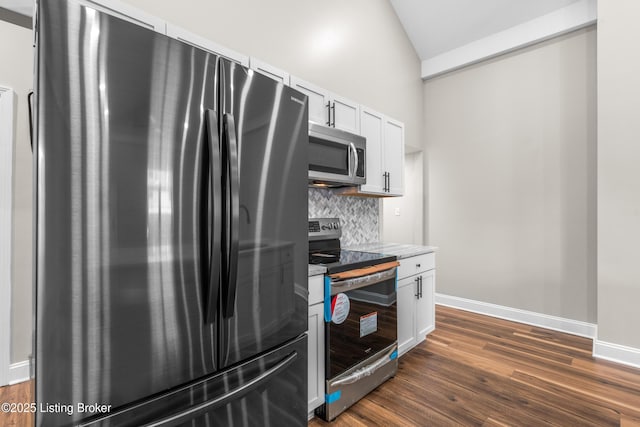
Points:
[354,169]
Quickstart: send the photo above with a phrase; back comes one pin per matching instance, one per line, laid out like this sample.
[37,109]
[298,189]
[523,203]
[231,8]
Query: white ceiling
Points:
[438,26]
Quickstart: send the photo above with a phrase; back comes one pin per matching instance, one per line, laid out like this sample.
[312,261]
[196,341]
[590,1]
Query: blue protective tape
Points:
[393,355]
[327,299]
[333,397]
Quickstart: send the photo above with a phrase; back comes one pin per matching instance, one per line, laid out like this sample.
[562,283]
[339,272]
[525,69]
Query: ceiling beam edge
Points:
[570,18]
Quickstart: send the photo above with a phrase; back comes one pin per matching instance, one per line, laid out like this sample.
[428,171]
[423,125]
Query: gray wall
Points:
[16,65]
[619,172]
[370,61]
[511,146]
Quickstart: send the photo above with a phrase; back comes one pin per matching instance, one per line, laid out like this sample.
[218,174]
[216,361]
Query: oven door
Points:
[360,316]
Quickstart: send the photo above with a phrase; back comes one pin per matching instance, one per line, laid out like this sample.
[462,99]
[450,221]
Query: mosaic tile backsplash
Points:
[359,216]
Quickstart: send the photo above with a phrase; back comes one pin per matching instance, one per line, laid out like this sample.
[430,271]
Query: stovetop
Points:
[348,260]
[325,248]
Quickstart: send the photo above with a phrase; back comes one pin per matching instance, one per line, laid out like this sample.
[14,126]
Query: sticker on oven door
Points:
[340,306]
[368,324]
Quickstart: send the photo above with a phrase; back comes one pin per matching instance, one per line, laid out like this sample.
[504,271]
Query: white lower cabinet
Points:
[316,343]
[416,301]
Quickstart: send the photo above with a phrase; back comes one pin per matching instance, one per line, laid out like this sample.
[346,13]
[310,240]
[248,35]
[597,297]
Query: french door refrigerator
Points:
[171,231]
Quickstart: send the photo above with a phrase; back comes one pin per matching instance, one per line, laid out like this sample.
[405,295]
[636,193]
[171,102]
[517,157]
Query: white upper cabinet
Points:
[393,156]
[318,99]
[206,44]
[372,128]
[385,154]
[122,10]
[328,109]
[269,70]
[345,114]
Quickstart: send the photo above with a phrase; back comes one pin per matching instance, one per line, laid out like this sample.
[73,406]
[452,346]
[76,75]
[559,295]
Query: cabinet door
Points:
[345,115]
[269,70]
[371,127]
[318,100]
[394,156]
[316,356]
[425,308]
[188,37]
[128,13]
[406,314]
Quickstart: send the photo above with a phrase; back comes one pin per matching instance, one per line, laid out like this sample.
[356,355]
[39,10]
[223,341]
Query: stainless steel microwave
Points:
[336,158]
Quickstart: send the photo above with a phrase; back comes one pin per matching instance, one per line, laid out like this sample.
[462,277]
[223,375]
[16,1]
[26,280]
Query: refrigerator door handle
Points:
[215,233]
[233,212]
[236,394]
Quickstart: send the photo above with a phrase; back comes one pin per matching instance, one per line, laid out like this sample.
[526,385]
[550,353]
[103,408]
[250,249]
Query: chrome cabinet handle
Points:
[328,122]
[333,107]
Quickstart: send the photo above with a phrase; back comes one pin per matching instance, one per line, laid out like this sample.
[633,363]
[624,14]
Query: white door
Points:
[406,309]
[318,100]
[345,115]
[425,308]
[394,156]
[371,127]
[316,356]
[6,213]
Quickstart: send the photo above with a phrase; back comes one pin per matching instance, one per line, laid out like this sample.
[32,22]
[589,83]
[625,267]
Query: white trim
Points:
[574,327]
[19,372]
[188,37]
[6,228]
[269,70]
[570,18]
[616,353]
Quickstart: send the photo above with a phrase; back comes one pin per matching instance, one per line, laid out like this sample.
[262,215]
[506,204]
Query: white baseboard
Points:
[19,372]
[574,327]
[616,353]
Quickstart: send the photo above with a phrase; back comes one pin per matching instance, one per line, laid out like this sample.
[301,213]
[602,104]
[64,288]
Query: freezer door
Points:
[267,391]
[264,288]
[123,240]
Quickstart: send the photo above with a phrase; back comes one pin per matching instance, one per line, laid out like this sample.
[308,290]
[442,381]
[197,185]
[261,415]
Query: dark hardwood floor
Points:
[478,370]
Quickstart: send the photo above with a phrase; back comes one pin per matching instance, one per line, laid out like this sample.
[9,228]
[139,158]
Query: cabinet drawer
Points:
[316,289]
[417,264]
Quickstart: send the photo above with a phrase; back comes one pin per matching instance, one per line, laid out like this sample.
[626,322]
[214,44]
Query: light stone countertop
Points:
[398,249]
[315,270]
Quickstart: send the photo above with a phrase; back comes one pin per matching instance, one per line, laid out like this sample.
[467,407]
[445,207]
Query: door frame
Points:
[6,227]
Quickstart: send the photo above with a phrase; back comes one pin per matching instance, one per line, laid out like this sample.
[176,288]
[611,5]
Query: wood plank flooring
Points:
[19,393]
[475,370]
[478,370]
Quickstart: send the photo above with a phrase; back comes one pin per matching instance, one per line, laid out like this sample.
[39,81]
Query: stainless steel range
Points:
[360,316]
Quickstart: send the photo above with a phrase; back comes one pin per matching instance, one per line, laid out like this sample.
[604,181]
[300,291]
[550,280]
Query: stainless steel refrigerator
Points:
[171,231]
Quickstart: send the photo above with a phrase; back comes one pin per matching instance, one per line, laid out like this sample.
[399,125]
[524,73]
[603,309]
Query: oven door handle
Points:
[338,286]
[366,371]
